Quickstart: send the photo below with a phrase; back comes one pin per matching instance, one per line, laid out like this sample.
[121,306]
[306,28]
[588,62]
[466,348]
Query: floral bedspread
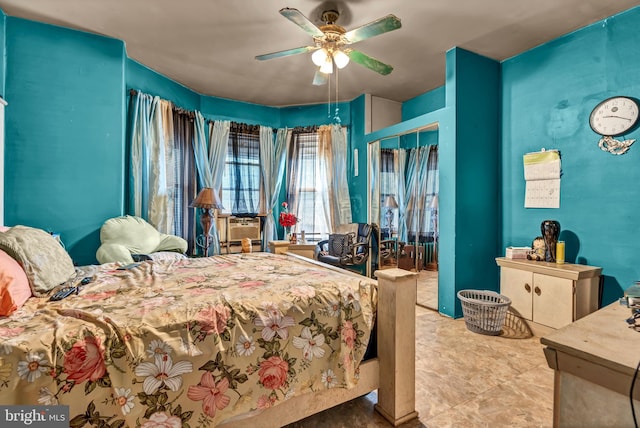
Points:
[188,343]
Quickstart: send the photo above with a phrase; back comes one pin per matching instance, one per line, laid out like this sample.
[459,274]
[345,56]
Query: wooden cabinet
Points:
[281,247]
[549,294]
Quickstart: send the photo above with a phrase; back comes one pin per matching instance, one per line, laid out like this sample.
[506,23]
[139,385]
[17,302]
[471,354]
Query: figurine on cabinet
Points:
[537,249]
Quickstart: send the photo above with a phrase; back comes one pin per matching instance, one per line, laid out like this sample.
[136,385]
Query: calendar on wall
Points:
[542,172]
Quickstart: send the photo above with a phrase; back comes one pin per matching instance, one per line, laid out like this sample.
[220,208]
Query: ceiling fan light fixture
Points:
[341,59]
[327,66]
[319,57]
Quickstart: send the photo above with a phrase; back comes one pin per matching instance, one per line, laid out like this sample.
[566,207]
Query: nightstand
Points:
[305,250]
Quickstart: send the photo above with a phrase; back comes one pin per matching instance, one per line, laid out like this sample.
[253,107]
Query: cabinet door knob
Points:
[537,290]
[527,287]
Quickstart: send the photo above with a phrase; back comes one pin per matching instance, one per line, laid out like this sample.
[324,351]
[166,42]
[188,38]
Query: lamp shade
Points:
[207,198]
[327,66]
[390,202]
[341,59]
[434,203]
[319,57]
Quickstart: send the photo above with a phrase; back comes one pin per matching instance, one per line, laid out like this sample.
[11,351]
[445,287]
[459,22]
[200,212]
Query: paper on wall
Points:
[542,179]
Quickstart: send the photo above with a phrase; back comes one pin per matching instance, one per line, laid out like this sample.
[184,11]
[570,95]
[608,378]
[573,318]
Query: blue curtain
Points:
[210,153]
[152,170]
[272,163]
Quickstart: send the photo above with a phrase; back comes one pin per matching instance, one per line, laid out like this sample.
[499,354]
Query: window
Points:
[241,177]
[307,191]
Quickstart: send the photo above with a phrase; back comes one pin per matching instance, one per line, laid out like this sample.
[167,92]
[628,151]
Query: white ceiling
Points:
[210,45]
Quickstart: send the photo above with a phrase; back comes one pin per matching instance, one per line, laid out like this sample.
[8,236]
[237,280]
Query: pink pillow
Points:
[4,228]
[14,285]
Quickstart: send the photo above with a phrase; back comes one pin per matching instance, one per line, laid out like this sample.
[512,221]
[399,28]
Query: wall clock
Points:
[611,117]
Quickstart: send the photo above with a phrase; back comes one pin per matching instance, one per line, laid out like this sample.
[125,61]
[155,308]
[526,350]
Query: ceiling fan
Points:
[331,41]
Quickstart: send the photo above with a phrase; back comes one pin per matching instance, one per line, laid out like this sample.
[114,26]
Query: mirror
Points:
[403,202]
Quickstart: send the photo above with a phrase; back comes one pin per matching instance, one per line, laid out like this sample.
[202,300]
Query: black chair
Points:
[347,250]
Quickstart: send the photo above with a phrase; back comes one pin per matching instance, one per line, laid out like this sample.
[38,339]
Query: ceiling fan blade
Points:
[374,28]
[370,63]
[287,52]
[320,78]
[295,16]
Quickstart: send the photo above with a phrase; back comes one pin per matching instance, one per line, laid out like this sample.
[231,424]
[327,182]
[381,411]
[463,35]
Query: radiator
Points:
[240,228]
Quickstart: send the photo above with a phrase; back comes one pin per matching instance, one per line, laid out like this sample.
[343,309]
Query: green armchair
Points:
[125,236]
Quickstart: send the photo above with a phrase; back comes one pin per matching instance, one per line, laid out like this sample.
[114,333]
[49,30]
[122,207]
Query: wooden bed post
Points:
[397,345]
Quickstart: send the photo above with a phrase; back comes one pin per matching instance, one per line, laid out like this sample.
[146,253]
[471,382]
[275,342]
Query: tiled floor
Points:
[428,289]
[464,379]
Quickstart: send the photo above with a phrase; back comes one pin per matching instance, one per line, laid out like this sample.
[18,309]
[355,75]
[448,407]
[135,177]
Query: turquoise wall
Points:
[424,103]
[468,201]
[3,63]
[144,79]
[64,132]
[548,94]
[358,185]
[314,114]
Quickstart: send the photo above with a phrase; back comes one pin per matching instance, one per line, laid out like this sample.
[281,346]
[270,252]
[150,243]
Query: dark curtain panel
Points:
[386,160]
[186,180]
[241,180]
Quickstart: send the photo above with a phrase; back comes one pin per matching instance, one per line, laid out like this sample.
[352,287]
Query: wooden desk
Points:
[594,361]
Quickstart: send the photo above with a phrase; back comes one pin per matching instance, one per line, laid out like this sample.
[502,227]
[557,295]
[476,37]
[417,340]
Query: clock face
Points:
[614,116]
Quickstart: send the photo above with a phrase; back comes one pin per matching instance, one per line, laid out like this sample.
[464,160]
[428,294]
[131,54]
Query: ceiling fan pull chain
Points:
[329,97]
[336,117]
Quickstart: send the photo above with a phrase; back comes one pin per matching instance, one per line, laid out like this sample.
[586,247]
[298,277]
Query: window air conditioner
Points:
[240,228]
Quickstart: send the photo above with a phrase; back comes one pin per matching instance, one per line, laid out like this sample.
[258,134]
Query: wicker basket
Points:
[484,311]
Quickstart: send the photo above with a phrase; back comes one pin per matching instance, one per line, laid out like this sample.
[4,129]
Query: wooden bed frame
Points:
[392,373]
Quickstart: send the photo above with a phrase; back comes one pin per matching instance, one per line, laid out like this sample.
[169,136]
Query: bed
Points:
[212,341]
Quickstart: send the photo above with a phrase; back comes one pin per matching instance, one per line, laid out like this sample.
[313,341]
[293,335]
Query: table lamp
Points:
[208,200]
[390,204]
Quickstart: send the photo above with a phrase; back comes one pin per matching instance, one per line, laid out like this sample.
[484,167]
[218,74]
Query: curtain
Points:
[408,198]
[400,163]
[432,185]
[389,185]
[162,176]
[209,150]
[421,220]
[341,199]
[185,185]
[151,162]
[141,107]
[324,167]
[272,162]
[420,187]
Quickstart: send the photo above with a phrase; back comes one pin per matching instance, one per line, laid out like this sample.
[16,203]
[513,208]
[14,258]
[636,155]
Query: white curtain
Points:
[341,198]
[152,166]
[332,152]
[210,153]
[272,164]
[325,183]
